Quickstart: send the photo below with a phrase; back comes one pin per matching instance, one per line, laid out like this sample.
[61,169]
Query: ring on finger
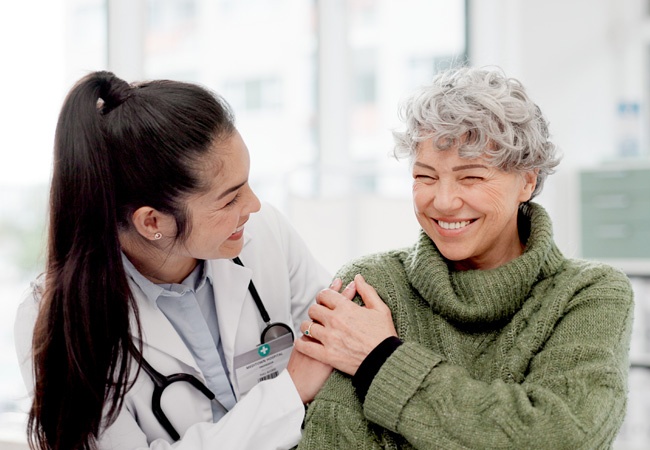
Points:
[308,330]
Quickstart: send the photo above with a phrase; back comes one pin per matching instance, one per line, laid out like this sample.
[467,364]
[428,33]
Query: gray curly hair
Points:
[488,114]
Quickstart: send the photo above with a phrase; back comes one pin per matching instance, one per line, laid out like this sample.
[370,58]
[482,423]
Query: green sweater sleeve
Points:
[569,394]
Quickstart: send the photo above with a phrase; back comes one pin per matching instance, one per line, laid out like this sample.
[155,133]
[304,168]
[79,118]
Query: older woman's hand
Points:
[342,333]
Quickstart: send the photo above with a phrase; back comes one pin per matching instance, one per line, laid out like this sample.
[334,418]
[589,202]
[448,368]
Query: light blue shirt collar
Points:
[153,291]
[190,308]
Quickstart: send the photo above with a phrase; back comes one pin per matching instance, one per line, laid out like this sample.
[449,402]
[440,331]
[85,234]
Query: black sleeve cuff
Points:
[370,366]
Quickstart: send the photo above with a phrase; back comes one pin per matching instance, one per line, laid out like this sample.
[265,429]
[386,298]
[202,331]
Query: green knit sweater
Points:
[530,355]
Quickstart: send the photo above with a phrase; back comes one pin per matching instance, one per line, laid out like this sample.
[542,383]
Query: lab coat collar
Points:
[230,290]
[157,331]
[230,283]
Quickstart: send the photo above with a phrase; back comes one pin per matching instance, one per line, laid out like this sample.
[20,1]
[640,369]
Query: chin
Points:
[229,252]
[451,255]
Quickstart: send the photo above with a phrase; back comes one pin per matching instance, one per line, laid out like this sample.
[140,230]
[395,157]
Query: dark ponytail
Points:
[117,148]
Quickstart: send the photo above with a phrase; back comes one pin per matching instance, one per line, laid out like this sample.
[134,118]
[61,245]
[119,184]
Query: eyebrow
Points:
[455,169]
[468,166]
[231,189]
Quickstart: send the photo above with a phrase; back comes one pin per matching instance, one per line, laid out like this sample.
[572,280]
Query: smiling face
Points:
[218,214]
[468,207]
[216,217]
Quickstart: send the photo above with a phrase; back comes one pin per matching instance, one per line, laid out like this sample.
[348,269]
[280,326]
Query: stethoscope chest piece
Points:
[271,332]
[274,331]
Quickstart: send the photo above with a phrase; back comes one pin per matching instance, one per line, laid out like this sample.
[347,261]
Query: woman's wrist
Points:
[370,366]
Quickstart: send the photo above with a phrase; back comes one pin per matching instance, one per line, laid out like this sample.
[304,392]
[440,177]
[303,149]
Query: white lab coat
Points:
[270,415]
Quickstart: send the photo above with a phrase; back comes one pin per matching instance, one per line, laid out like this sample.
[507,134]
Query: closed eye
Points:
[233,201]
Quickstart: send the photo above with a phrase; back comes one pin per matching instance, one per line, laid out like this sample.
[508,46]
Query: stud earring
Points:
[157,236]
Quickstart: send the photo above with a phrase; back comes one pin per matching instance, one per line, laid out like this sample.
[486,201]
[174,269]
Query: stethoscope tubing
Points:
[161,382]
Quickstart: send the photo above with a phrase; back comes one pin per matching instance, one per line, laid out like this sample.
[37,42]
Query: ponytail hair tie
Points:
[113,91]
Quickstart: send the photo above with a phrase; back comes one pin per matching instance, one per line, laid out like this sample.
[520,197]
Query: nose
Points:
[446,197]
[254,204]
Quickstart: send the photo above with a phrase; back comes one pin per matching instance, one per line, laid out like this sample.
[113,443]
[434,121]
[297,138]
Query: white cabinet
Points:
[615,229]
[635,432]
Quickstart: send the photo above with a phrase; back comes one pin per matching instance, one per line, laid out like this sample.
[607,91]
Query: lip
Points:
[452,231]
[238,233]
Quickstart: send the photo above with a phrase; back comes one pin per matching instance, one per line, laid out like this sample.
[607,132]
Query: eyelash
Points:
[233,201]
[428,177]
[424,178]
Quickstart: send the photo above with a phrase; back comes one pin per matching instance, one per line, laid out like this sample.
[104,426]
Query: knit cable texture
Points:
[530,355]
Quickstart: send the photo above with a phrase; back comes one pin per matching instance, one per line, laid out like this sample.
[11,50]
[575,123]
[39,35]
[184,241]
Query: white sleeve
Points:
[23,331]
[271,414]
[269,417]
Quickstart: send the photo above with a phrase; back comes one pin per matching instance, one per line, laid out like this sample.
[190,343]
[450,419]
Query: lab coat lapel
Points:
[230,284]
[158,332]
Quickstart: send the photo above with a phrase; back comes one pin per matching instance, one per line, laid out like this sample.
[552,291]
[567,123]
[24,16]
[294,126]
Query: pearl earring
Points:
[157,236]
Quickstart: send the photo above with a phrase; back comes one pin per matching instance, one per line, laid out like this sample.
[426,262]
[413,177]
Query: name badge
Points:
[264,362]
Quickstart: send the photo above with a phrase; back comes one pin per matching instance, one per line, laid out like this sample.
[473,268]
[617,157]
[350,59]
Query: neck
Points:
[158,265]
[509,245]
[513,252]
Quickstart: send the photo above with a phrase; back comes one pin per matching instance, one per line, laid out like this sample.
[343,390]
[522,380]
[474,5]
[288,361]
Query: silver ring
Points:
[308,330]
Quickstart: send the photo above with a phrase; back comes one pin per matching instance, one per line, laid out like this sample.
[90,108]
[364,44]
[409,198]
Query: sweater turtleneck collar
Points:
[485,296]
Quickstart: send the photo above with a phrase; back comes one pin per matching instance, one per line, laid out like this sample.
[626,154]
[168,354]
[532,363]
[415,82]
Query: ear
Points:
[530,182]
[152,224]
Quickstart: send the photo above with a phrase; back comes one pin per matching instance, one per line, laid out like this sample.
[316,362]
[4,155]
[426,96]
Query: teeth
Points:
[453,225]
[238,229]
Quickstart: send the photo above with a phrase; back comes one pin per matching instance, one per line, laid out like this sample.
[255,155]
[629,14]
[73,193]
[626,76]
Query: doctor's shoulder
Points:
[29,305]
[24,321]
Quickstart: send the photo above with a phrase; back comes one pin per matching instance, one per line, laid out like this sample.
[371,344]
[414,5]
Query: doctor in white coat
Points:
[150,207]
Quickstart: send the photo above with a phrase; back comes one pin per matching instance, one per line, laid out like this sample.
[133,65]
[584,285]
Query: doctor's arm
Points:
[270,416]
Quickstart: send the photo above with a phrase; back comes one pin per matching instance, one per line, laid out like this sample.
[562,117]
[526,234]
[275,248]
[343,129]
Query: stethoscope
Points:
[161,382]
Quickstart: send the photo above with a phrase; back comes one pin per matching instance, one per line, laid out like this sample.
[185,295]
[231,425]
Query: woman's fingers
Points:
[336,285]
[350,291]
[330,303]
[368,294]
[342,333]
[307,328]
[331,297]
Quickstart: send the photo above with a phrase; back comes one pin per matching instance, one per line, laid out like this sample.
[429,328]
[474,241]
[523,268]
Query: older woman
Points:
[496,340]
